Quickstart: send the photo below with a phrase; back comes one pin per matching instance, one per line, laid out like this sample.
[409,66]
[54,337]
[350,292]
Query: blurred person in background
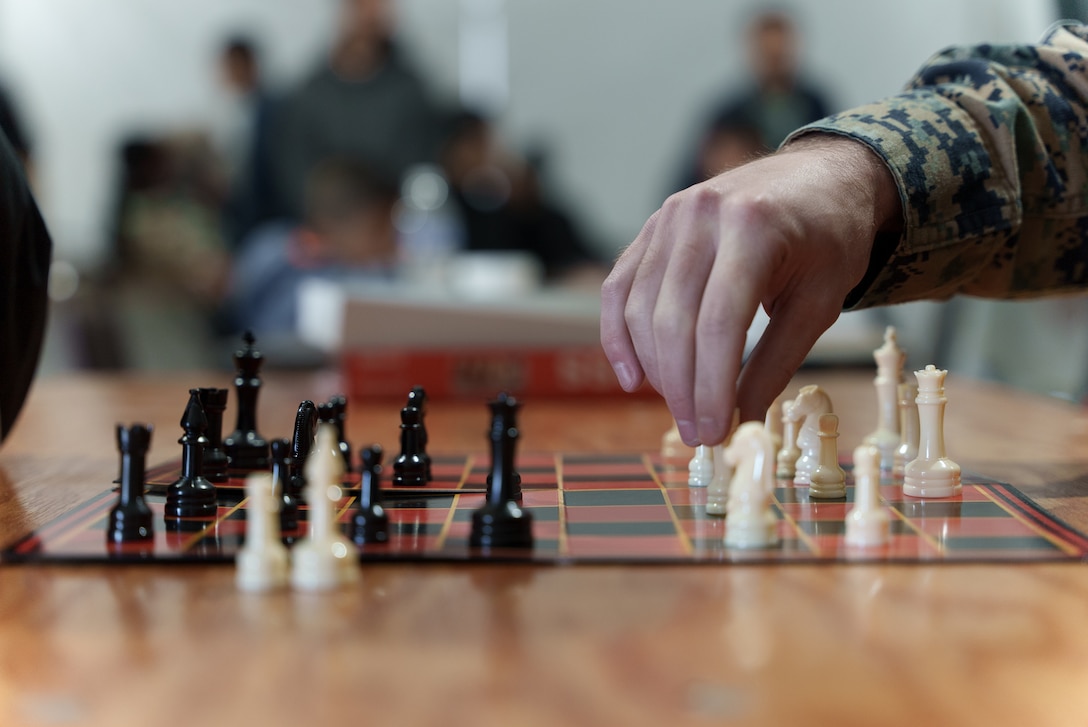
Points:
[365,102]
[501,204]
[347,236]
[242,139]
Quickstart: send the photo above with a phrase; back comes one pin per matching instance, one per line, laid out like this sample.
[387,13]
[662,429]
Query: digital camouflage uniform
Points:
[989,147]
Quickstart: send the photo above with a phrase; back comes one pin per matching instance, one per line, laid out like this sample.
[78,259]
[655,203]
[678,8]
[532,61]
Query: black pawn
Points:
[417,398]
[410,466]
[515,477]
[340,412]
[130,519]
[192,495]
[370,523]
[281,457]
[501,523]
[246,448]
[301,443]
[216,462]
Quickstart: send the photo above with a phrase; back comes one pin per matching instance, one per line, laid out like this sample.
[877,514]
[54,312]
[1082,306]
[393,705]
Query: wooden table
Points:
[505,645]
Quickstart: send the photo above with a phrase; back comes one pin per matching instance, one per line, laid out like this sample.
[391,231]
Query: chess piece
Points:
[216,461]
[701,467]
[828,480]
[370,523]
[867,522]
[908,428]
[788,454]
[500,522]
[417,398]
[246,448]
[515,476]
[717,492]
[288,505]
[751,522]
[410,466]
[192,495]
[302,441]
[931,473]
[889,374]
[805,411]
[673,447]
[325,559]
[340,417]
[130,519]
[262,562]
[772,422]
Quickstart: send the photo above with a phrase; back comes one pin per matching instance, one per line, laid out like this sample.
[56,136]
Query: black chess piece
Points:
[500,522]
[281,457]
[216,461]
[417,398]
[410,466]
[192,495]
[247,449]
[340,411]
[301,442]
[130,519]
[370,524]
[515,477]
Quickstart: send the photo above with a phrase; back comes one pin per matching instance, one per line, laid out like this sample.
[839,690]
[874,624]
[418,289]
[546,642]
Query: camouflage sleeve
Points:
[988,146]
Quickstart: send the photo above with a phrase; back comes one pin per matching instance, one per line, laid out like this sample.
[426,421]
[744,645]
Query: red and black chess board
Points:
[589,508]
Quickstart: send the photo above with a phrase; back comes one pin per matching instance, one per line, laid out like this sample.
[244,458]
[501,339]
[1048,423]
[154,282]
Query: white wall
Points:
[611,85]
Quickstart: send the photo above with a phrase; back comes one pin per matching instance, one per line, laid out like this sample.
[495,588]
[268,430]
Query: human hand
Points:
[792,231]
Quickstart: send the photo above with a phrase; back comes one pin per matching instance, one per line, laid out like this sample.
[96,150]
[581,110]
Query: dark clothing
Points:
[25,250]
[776,115]
[387,122]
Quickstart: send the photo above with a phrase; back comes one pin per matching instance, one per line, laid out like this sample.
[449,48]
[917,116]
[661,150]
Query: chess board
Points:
[589,508]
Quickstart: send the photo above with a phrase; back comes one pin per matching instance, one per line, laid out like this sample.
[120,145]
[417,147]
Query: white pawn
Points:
[672,446]
[806,410]
[325,559]
[789,452]
[717,494]
[908,428]
[262,563]
[867,521]
[932,473]
[751,522]
[772,422]
[701,467]
[889,373]
[828,480]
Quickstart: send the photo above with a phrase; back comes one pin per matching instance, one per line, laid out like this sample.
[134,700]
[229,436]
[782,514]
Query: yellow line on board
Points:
[685,540]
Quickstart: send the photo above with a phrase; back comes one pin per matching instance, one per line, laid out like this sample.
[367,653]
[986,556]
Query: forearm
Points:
[985,151]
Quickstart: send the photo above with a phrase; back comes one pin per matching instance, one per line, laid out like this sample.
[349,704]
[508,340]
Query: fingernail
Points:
[688,432]
[626,376]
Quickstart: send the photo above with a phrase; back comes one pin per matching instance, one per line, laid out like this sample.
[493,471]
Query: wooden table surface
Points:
[519,645]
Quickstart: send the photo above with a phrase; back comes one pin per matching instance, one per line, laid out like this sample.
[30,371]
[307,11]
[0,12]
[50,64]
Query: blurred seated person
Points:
[501,204]
[348,235]
[366,102]
[731,140]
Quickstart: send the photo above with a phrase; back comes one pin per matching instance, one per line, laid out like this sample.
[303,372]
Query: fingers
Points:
[615,292]
[795,325]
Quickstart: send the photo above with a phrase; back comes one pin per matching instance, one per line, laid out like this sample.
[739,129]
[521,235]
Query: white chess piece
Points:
[325,558]
[672,447]
[751,522]
[701,467]
[806,410]
[828,480]
[262,562]
[789,452]
[908,428]
[932,473]
[867,522]
[889,373]
[717,494]
[772,422]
